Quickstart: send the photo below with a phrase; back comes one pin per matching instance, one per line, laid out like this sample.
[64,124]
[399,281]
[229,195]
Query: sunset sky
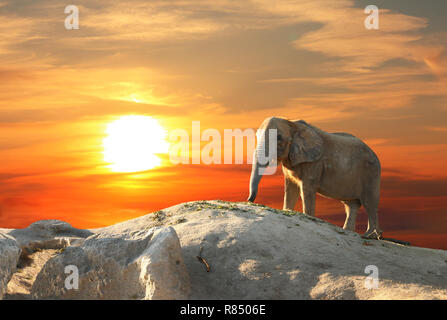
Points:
[228,64]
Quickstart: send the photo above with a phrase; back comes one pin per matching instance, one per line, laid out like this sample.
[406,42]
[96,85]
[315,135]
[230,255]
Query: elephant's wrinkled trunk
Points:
[256,176]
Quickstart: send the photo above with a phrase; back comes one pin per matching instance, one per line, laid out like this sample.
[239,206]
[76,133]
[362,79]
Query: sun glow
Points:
[133,142]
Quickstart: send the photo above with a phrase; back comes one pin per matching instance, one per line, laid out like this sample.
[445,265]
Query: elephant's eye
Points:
[279,137]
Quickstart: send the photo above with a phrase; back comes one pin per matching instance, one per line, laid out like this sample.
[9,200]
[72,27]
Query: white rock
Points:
[115,264]
[9,256]
[48,234]
[256,252]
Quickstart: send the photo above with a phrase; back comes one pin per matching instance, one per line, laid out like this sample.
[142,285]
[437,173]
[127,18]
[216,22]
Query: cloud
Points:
[406,187]
[344,36]
[171,49]
[438,129]
[437,61]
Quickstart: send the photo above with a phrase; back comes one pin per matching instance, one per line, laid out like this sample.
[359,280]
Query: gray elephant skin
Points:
[335,165]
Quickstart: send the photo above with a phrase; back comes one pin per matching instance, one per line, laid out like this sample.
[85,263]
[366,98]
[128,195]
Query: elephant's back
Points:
[344,134]
[356,147]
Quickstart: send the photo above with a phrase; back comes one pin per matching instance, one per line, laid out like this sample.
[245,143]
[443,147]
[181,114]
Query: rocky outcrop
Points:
[48,234]
[234,251]
[9,256]
[116,264]
[256,252]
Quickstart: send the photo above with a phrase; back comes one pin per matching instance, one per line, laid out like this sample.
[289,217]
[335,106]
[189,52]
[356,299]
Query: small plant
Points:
[180,220]
[289,213]
[61,250]
[159,216]
[256,204]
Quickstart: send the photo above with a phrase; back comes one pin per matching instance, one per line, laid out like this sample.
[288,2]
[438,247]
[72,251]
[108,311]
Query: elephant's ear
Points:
[306,146]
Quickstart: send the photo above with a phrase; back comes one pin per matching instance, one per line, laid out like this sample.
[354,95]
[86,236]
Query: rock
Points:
[44,234]
[253,252]
[256,252]
[116,264]
[9,256]
[49,234]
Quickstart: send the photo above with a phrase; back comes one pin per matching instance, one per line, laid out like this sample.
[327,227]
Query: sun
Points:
[133,142]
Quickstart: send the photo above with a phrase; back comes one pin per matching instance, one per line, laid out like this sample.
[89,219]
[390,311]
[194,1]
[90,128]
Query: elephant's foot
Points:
[374,234]
[349,227]
[310,214]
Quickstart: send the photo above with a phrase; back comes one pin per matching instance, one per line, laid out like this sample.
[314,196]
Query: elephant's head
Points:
[296,142]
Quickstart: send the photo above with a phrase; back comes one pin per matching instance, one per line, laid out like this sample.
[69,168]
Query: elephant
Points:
[335,165]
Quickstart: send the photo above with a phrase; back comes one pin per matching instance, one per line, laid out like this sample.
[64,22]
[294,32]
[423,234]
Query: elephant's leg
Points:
[308,198]
[371,207]
[351,208]
[370,200]
[291,194]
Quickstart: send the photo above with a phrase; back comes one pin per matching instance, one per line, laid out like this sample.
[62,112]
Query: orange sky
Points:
[229,65]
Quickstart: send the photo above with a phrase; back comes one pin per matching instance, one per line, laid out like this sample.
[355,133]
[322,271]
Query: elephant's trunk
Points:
[256,176]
